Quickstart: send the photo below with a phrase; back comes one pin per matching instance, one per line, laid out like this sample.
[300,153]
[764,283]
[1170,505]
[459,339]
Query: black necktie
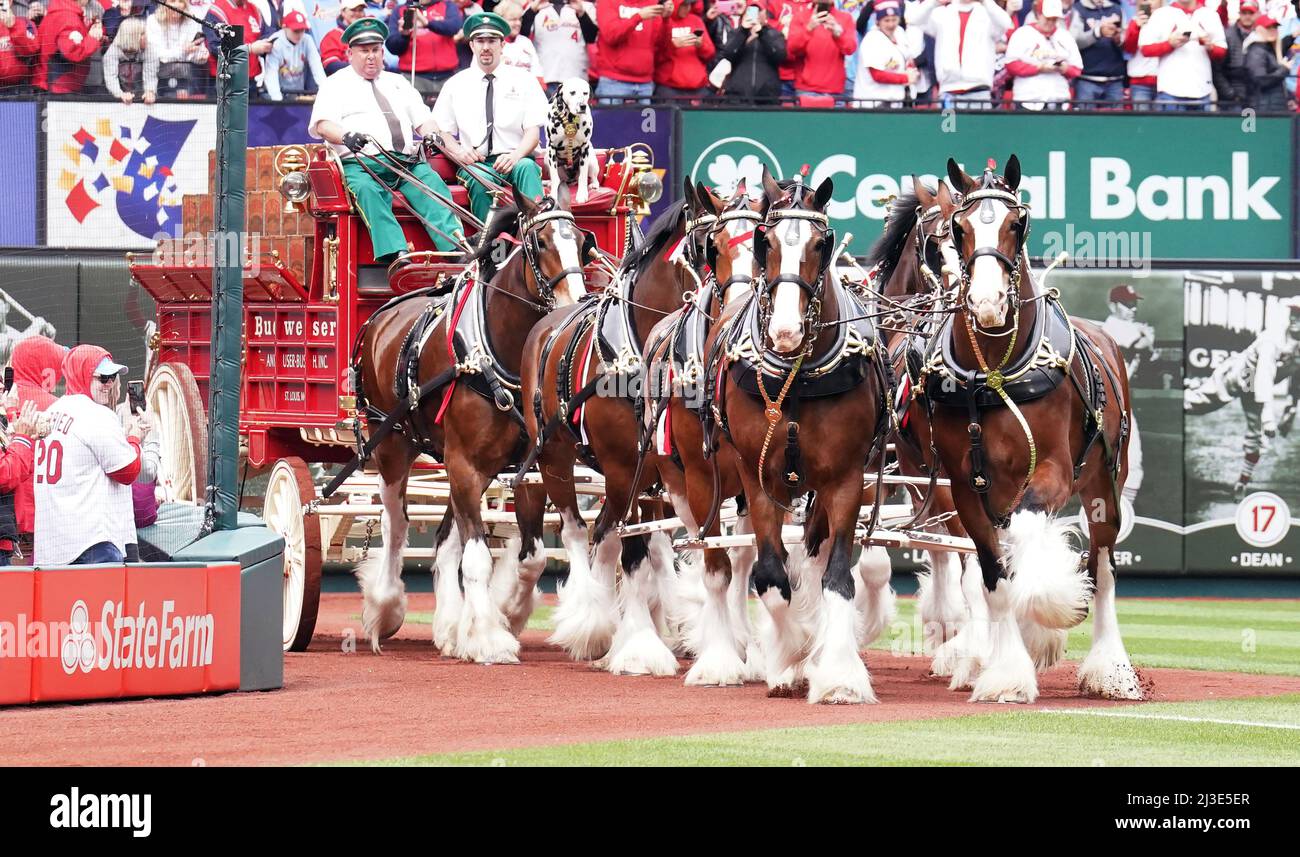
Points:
[394,126]
[491,119]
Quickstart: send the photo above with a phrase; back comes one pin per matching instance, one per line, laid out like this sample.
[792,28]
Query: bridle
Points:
[742,213]
[983,198]
[529,228]
[814,289]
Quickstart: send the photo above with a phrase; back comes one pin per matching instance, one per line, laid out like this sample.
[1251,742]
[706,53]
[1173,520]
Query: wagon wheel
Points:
[289,489]
[173,396]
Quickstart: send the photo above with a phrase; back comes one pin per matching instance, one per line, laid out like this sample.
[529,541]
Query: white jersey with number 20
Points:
[77,504]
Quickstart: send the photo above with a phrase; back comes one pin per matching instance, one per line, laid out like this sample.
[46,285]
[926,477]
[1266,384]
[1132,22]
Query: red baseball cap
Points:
[1125,294]
[1248,6]
[294,21]
[1265,21]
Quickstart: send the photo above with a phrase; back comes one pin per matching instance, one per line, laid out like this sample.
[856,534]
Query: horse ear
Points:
[922,192]
[960,181]
[1012,175]
[770,187]
[823,194]
[563,197]
[944,198]
[742,189]
[709,203]
[688,191]
[522,202]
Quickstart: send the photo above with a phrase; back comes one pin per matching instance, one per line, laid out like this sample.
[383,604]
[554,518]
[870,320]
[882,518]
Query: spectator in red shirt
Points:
[432,53]
[17,42]
[684,50]
[821,36]
[69,36]
[238,13]
[333,53]
[629,33]
[38,369]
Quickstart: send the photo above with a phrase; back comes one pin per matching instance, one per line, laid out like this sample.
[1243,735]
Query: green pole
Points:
[228,283]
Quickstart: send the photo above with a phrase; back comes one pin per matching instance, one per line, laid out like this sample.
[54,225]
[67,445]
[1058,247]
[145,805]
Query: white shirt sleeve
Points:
[328,105]
[104,437]
[443,114]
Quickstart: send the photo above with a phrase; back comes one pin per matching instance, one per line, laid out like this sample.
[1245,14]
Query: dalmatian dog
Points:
[569,155]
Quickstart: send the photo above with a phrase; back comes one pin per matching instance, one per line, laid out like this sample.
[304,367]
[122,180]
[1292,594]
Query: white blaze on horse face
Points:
[740,252]
[986,296]
[565,238]
[786,327]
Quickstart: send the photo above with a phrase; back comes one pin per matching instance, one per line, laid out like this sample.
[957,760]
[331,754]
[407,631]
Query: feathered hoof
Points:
[382,619]
[485,642]
[717,667]
[1006,686]
[643,654]
[1046,646]
[1109,678]
[755,666]
[842,690]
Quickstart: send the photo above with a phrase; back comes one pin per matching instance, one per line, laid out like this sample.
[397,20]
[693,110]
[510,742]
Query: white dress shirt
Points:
[518,103]
[348,100]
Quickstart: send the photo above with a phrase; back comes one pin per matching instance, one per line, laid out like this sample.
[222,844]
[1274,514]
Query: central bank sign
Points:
[1173,187]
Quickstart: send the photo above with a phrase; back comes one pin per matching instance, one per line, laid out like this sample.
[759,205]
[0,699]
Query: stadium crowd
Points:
[1044,54]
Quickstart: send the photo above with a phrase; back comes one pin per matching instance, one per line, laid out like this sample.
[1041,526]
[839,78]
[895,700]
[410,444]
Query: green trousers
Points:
[375,201]
[526,176]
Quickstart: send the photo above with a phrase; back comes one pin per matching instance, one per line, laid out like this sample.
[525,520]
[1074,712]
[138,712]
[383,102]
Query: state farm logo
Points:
[78,650]
[123,640]
[723,164]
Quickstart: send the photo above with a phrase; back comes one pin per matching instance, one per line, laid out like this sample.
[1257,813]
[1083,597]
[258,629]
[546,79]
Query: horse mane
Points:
[888,249]
[656,239]
[504,221]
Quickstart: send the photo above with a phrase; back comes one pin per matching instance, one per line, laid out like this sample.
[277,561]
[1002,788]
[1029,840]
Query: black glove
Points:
[354,141]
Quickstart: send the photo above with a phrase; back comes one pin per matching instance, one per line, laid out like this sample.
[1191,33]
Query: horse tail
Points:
[1049,584]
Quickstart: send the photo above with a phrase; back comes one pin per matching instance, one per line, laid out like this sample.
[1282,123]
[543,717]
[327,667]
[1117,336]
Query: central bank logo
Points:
[723,164]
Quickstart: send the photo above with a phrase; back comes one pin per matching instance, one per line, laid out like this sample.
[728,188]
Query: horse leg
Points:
[636,648]
[785,638]
[963,656]
[689,592]
[1106,671]
[667,608]
[712,635]
[587,615]
[836,672]
[483,635]
[955,606]
[514,583]
[448,600]
[742,567]
[380,576]
[874,598]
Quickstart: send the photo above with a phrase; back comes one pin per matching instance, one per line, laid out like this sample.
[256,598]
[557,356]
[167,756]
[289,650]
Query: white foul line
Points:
[1137,716]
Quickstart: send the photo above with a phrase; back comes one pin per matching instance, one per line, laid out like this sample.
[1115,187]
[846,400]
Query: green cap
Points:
[365,31]
[485,24]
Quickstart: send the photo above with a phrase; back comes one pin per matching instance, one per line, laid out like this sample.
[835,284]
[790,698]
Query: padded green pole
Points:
[228,284]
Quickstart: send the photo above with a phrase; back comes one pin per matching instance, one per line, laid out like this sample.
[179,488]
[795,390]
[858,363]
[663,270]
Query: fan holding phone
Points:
[1043,58]
[683,52]
[821,36]
[1186,38]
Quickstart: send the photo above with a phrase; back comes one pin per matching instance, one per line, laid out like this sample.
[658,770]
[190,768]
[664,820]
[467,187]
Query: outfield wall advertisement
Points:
[1110,186]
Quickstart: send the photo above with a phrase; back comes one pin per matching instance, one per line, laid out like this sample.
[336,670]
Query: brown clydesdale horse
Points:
[475,437]
[1013,468]
[718,630]
[792,321]
[909,257]
[597,346]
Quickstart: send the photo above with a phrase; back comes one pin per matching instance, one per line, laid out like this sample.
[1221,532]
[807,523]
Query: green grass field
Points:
[1261,637]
